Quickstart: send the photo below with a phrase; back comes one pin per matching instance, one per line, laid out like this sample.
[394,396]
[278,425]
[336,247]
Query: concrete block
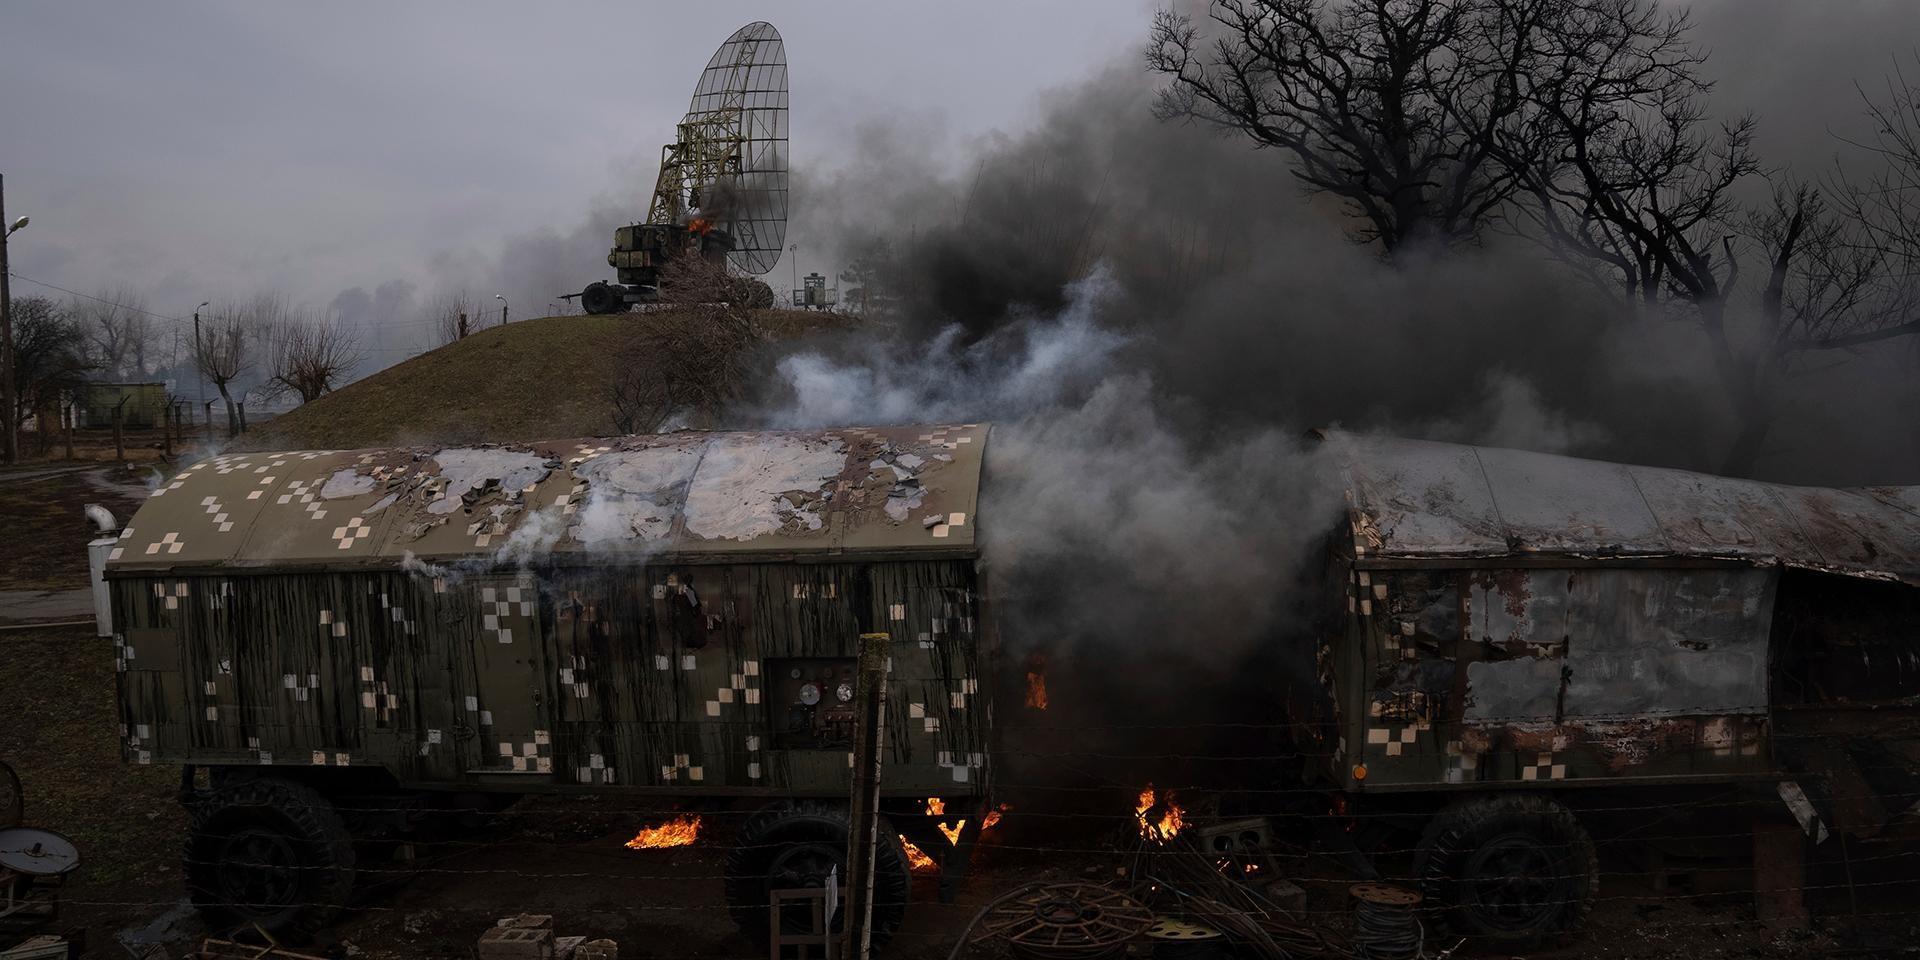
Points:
[598,950]
[516,943]
[527,921]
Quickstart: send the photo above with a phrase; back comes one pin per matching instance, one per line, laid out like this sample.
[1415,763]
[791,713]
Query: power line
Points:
[162,316]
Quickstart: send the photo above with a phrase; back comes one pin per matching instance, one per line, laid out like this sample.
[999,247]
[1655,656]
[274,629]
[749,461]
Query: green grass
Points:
[529,380]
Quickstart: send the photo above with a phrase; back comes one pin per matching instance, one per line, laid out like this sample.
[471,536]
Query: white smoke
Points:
[1101,520]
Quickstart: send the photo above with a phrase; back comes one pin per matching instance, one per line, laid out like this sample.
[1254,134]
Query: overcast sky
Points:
[198,150]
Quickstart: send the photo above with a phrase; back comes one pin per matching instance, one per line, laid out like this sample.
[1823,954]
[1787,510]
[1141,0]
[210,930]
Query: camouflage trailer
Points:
[340,647]
[1516,628]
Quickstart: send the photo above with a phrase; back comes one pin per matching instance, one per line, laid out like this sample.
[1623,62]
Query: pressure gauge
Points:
[810,693]
[844,691]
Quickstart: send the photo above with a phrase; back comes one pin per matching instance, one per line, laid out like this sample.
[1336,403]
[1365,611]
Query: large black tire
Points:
[1510,869]
[268,852]
[601,297]
[789,845]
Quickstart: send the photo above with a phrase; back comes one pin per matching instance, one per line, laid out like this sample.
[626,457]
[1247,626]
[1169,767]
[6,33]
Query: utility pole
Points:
[863,834]
[199,380]
[794,261]
[8,396]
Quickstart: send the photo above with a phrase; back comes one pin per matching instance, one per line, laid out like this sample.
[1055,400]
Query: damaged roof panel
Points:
[1418,499]
[673,496]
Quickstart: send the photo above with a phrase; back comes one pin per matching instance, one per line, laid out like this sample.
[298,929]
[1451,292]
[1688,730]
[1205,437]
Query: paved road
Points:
[37,606]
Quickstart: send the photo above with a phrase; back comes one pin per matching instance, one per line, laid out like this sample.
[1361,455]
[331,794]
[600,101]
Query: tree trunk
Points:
[233,418]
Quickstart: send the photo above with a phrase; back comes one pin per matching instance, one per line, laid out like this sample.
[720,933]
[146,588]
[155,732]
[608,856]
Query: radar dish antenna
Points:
[722,189]
[728,164]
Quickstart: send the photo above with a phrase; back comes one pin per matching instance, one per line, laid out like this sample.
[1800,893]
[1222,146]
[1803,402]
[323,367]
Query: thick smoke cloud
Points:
[1243,299]
[1153,315]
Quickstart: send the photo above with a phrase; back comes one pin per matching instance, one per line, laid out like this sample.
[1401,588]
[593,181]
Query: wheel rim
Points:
[804,865]
[1512,883]
[258,871]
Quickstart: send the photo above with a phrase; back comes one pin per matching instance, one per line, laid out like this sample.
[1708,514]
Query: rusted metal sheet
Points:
[1421,500]
[1562,675]
[688,495]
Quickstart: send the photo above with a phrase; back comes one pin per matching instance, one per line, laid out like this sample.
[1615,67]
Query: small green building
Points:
[145,408]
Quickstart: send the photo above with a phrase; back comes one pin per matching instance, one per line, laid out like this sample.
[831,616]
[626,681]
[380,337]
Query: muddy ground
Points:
[566,857]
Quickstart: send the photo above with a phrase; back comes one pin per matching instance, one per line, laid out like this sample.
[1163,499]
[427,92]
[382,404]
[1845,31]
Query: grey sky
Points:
[196,150]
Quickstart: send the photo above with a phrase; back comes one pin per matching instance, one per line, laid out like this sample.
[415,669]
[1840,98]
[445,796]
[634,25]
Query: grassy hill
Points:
[529,380]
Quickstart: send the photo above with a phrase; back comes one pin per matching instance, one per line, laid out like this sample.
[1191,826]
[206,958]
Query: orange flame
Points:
[1037,690]
[917,860]
[678,832]
[1167,824]
[1037,682]
[937,807]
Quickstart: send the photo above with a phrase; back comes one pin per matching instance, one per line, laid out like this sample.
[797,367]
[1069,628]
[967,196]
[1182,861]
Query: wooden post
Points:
[119,440]
[72,417]
[210,404]
[869,733]
[166,431]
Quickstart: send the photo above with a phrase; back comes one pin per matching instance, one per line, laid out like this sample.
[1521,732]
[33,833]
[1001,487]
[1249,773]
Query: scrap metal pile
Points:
[1191,893]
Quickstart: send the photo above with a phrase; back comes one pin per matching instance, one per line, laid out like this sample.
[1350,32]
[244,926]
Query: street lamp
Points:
[503,308]
[9,399]
[199,372]
[794,261]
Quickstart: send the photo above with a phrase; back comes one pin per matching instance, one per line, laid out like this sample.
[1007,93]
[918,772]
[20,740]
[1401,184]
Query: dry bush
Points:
[689,363]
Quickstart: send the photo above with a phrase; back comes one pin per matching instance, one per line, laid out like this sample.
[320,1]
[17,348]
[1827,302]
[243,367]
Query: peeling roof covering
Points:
[679,497]
[1418,499]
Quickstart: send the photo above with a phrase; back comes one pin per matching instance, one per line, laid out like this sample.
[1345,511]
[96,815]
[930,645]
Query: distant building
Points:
[145,406]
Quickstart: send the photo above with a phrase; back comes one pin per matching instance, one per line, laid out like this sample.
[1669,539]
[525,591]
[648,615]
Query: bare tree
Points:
[229,344]
[1401,108]
[308,356]
[50,357]
[118,329]
[1886,204]
[452,315]
[1649,197]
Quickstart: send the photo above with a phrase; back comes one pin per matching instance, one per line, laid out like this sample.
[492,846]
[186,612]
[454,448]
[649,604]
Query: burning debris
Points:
[1037,682]
[936,807]
[681,831]
[1160,818]
[917,859]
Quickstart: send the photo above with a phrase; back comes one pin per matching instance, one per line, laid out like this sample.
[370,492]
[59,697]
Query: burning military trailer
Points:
[1496,648]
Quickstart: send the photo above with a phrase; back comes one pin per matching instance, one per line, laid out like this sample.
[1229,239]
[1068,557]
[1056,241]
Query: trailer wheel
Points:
[786,846]
[599,297]
[269,852]
[1511,869]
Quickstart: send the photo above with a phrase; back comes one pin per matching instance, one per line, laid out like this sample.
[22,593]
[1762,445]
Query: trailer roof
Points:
[689,496]
[1416,499]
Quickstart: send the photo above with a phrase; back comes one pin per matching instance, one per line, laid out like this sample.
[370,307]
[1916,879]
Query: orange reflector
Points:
[1359,771]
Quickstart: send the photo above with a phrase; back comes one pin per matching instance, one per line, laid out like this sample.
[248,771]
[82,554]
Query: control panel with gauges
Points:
[812,702]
